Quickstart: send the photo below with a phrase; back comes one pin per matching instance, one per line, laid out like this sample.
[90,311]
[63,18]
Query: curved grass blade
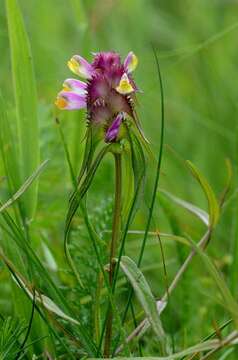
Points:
[214,210]
[144,295]
[201,214]
[157,176]
[45,301]
[25,186]
[26,102]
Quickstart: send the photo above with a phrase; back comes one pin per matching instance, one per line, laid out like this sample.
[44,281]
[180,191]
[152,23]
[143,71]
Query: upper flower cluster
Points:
[107,93]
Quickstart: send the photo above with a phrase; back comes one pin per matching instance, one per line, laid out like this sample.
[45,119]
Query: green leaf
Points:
[26,101]
[24,187]
[8,147]
[214,210]
[45,301]
[201,214]
[144,295]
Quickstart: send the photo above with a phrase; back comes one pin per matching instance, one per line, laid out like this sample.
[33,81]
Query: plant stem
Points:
[115,236]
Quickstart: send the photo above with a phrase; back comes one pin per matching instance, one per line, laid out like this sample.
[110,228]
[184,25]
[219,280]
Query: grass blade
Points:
[24,187]
[26,101]
[213,206]
[201,214]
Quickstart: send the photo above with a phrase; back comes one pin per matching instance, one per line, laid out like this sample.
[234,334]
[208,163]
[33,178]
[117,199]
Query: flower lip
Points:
[81,67]
[131,62]
[125,86]
[74,85]
[67,100]
[61,102]
[113,130]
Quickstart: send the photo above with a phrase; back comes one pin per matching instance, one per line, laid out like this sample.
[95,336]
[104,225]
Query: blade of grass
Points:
[24,187]
[201,214]
[214,210]
[26,101]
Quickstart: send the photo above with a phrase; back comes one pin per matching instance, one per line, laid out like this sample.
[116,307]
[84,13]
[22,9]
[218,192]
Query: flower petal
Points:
[130,62]
[70,101]
[125,86]
[81,67]
[77,86]
[113,130]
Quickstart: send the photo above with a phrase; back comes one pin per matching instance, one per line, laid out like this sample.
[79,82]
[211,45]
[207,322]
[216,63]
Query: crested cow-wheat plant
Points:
[91,294]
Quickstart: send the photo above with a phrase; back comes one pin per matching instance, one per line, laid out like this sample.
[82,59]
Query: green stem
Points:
[115,237]
[97,313]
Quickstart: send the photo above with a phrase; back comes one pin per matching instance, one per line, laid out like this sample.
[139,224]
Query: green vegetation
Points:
[78,275]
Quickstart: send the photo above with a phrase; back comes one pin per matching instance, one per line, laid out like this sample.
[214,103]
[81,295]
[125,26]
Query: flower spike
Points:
[124,86]
[70,101]
[108,94]
[131,62]
[81,67]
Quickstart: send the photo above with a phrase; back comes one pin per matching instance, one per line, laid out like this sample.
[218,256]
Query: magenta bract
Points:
[107,94]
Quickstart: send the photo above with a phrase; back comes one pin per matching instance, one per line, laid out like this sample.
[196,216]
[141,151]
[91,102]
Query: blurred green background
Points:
[196,43]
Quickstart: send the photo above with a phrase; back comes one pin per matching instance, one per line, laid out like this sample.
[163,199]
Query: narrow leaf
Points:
[45,301]
[24,187]
[144,294]
[26,101]
[213,206]
[201,214]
